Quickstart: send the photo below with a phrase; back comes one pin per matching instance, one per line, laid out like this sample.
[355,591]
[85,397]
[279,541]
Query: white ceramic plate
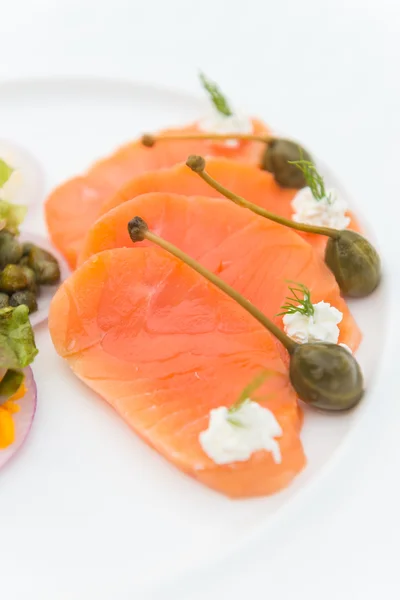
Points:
[87,502]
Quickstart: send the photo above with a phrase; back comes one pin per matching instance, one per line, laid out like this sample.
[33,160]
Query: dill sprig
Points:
[5,172]
[313,179]
[246,396]
[300,301]
[216,96]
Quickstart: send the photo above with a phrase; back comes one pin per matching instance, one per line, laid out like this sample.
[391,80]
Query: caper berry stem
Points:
[138,231]
[149,140]
[198,165]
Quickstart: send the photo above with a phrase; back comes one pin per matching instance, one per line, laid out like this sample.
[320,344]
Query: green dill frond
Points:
[216,96]
[234,421]
[245,396]
[300,301]
[313,179]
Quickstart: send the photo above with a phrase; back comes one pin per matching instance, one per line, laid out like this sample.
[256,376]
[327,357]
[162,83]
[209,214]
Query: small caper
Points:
[12,279]
[275,160]
[326,376]
[10,249]
[43,254]
[31,277]
[24,262]
[354,262]
[27,247]
[4,300]
[47,273]
[24,297]
[44,265]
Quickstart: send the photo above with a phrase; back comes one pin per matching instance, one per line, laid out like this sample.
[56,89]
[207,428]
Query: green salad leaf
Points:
[17,340]
[11,216]
[5,172]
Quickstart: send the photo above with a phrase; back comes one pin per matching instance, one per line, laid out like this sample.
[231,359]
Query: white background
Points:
[328,72]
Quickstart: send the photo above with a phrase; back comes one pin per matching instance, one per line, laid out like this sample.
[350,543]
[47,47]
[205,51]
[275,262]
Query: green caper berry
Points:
[275,160]
[10,249]
[4,300]
[326,376]
[12,279]
[24,297]
[354,262]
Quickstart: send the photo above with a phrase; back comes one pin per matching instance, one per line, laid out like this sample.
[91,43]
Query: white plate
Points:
[86,502]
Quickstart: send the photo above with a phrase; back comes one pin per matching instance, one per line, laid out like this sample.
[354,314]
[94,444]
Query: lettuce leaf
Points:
[17,340]
[11,216]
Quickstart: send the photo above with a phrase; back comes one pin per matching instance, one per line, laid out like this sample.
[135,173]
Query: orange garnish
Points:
[7,429]
[7,409]
[11,407]
[20,393]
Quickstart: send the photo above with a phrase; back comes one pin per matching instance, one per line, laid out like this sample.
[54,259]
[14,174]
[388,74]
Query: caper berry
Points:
[10,249]
[326,376]
[354,262]
[31,278]
[24,297]
[24,262]
[27,247]
[275,160]
[44,265]
[4,300]
[12,279]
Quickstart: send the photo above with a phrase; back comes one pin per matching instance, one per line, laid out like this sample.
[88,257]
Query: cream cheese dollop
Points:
[216,122]
[235,436]
[322,326]
[330,211]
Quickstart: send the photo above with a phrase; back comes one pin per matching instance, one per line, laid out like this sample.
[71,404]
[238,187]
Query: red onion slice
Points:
[23,419]
[46,291]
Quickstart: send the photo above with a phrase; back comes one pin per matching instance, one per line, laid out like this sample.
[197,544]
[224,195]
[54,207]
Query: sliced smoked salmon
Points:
[163,347]
[73,206]
[255,256]
[246,180]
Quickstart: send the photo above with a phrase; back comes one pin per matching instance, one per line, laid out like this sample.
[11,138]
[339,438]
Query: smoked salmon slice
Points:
[255,256]
[73,206]
[246,180]
[163,347]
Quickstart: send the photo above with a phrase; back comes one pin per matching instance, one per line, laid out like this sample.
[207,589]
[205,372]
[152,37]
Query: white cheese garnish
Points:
[322,326]
[330,211]
[216,122]
[234,436]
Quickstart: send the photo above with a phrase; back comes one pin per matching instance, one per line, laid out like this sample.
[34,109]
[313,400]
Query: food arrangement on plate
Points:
[207,303]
